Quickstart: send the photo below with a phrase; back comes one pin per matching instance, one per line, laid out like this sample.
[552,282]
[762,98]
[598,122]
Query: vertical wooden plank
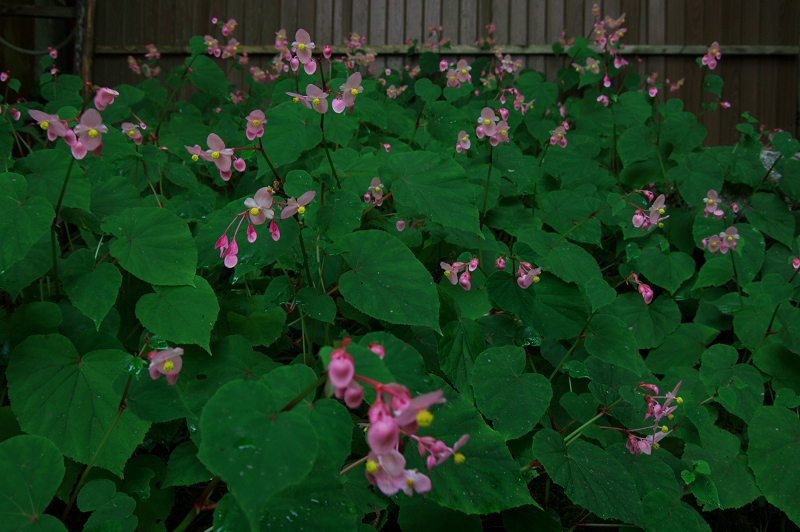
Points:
[414,17]
[450,21]
[657,33]
[588,17]
[537,31]
[501,20]
[611,8]
[711,32]
[395,29]
[432,16]
[468,22]
[289,17]
[768,75]
[377,29]
[518,20]
[749,70]
[306,18]
[323,28]
[360,20]
[554,26]
[573,12]
[731,71]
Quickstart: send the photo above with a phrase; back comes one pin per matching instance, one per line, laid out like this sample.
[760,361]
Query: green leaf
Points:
[790,334]
[568,261]
[599,293]
[92,287]
[23,219]
[153,400]
[154,245]
[713,84]
[260,328]
[341,214]
[435,188]
[589,476]
[49,169]
[554,308]
[649,323]
[257,450]
[318,306]
[696,176]
[687,476]
[664,516]
[511,399]
[181,175]
[426,90]
[566,208]
[36,263]
[289,132]
[715,272]
[32,469]
[180,314]
[461,343]
[668,270]
[387,281]
[774,444]
[488,462]
[422,515]
[609,339]
[207,76]
[682,348]
[70,400]
[184,469]
[771,215]
[101,498]
[718,372]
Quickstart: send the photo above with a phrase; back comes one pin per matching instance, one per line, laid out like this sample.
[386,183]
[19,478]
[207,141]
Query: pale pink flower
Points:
[488,121]
[729,239]
[327,51]
[463,141]
[50,123]
[317,98]
[451,271]
[167,362]
[255,124]
[131,131]
[303,46]
[443,65]
[452,79]
[462,70]
[559,137]
[219,155]
[104,97]
[90,130]
[647,293]
[53,52]
[227,28]
[400,225]
[297,205]
[260,206]
[714,244]
[464,281]
[500,263]
[196,152]
[796,263]
[383,432]
[501,134]
[212,45]
[351,89]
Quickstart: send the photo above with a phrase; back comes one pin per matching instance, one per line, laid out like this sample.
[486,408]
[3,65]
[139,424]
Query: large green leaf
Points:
[49,169]
[92,287]
[387,281]
[69,399]
[36,263]
[207,76]
[290,130]
[610,340]
[101,498]
[180,314]
[154,245]
[771,215]
[774,445]
[459,346]
[568,261]
[737,387]
[682,348]
[184,468]
[512,399]
[32,469]
[590,477]
[23,219]
[421,515]
[257,450]
[665,269]
[649,323]
[435,188]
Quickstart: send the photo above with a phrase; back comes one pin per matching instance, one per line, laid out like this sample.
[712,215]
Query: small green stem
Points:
[764,180]
[769,327]
[172,95]
[483,211]
[305,258]
[577,432]
[53,241]
[354,464]
[571,349]
[264,154]
[328,153]
[296,401]
[736,278]
[198,505]
[416,126]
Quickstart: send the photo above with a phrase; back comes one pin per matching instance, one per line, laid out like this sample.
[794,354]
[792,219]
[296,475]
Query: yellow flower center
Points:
[254,211]
[235,48]
[664,429]
[195,157]
[301,46]
[679,400]
[730,239]
[354,92]
[447,273]
[536,279]
[486,122]
[660,224]
[372,466]
[215,155]
[93,133]
[256,123]
[463,70]
[295,99]
[504,133]
[714,244]
[710,202]
[44,125]
[301,210]
[209,44]
[169,365]
[464,139]
[656,446]
[409,482]
[459,458]
[452,78]
[424,418]
[660,211]
[670,416]
[377,190]
[132,133]
[315,101]
[560,135]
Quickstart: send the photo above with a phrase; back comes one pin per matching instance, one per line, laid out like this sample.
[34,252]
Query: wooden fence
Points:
[760,63]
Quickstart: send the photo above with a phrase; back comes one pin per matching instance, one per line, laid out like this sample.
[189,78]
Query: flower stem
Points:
[296,401]
[264,153]
[736,278]
[354,464]
[769,327]
[171,96]
[483,211]
[577,432]
[53,241]
[198,505]
[764,180]
[416,127]
[571,349]
[328,153]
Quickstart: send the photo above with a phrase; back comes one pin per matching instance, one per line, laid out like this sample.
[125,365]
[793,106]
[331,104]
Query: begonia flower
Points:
[351,89]
[228,27]
[260,206]
[196,152]
[297,205]
[212,45]
[255,124]
[488,121]
[463,141]
[303,46]
[317,98]
[462,70]
[559,137]
[131,131]
[647,293]
[90,130]
[104,97]
[219,155]
[327,51]
[167,362]
[50,123]
[400,225]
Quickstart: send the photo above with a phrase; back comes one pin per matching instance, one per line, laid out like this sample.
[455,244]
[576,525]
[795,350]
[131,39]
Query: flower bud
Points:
[504,113]
[239,165]
[327,51]
[294,63]
[464,281]
[500,263]
[401,225]
[443,65]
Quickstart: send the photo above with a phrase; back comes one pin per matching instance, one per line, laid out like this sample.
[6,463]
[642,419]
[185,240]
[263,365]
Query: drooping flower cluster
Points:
[644,289]
[527,274]
[149,67]
[637,444]
[375,192]
[559,136]
[713,206]
[653,216]
[451,272]
[260,208]
[724,241]
[350,89]
[488,126]
[393,414]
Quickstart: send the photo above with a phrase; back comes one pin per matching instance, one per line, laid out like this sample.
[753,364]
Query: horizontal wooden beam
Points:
[19,10]
[463,49]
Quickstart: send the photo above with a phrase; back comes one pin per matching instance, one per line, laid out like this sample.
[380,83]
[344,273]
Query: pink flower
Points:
[463,141]
[443,65]
[166,362]
[464,281]
[239,164]
[376,190]
[606,81]
[729,239]
[386,471]
[452,79]
[196,151]
[462,70]
[501,134]
[592,65]
[230,49]
[3,76]
[500,263]
[526,278]
[603,99]
[652,92]
[407,417]
[488,121]
[274,231]
[219,155]
[152,52]
[383,432]
[341,368]
[559,137]
[725,105]
[303,46]
[255,124]
[400,225]
[451,271]
[90,130]
[387,147]
[50,123]
[260,206]
[227,28]
[297,205]
[104,98]
[131,131]
[712,205]
[647,293]
[351,89]
[53,52]
[377,349]
[714,244]
[213,46]
[317,98]
[796,263]
[327,51]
